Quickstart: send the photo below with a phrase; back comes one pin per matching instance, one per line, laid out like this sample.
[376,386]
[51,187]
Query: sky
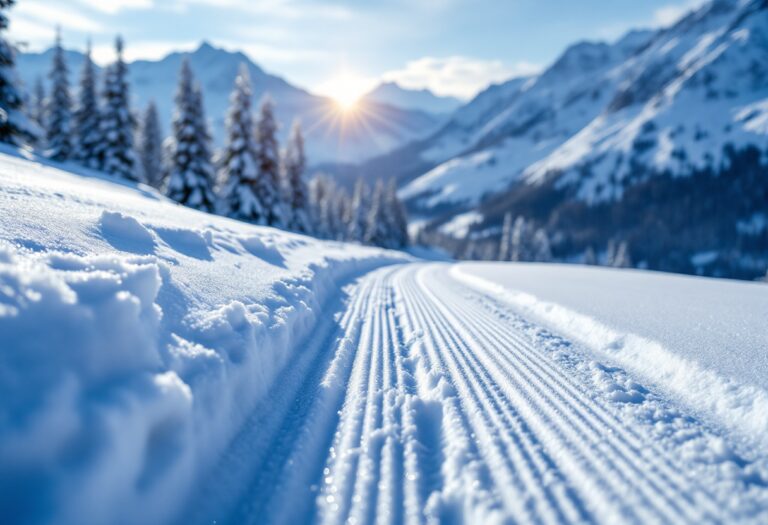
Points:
[342,48]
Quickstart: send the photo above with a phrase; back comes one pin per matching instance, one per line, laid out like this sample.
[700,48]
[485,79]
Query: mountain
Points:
[658,139]
[332,135]
[418,99]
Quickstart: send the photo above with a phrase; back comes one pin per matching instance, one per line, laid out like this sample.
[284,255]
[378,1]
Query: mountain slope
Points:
[419,99]
[332,136]
[620,138]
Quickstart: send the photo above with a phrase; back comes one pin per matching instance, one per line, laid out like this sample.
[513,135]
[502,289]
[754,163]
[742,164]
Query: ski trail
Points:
[425,401]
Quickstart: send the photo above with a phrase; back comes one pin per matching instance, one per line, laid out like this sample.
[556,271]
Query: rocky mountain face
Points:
[659,139]
[332,135]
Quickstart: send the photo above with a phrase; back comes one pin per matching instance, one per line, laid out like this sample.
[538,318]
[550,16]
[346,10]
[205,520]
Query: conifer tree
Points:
[15,127]
[318,193]
[622,258]
[191,176]
[297,200]
[541,248]
[505,245]
[37,104]
[58,128]
[376,229]
[150,145]
[267,187]
[116,153]
[357,215]
[87,132]
[238,171]
[590,258]
[520,242]
[397,220]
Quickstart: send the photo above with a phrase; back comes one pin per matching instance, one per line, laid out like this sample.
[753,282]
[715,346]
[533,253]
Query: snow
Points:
[668,100]
[701,340]
[137,335]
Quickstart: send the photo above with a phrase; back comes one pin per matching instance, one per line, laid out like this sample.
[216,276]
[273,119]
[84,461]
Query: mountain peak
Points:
[392,93]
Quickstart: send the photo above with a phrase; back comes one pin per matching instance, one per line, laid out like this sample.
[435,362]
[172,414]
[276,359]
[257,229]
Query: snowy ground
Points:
[164,366]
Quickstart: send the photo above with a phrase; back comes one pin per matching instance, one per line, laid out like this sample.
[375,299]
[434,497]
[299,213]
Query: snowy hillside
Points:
[332,136]
[136,336]
[418,99]
[673,99]
[607,129]
[160,365]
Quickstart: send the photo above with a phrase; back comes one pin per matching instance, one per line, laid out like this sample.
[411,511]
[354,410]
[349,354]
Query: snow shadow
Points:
[269,254]
[187,242]
[126,234]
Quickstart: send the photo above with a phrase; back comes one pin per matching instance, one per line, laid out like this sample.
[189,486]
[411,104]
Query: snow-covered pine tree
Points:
[340,208]
[191,176]
[540,246]
[37,103]
[357,214]
[297,212]
[377,231]
[237,171]
[150,145]
[116,154]
[58,122]
[87,132]
[267,187]
[15,127]
[520,243]
[622,258]
[505,244]
[395,216]
[318,192]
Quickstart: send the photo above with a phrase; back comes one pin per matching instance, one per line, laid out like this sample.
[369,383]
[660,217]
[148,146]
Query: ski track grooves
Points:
[419,402]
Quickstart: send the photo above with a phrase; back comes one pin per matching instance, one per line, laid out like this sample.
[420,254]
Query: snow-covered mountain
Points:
[332,135]
[614,127]
[418,99]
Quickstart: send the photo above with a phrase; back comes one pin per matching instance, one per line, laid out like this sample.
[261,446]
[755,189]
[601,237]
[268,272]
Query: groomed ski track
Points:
[420,400]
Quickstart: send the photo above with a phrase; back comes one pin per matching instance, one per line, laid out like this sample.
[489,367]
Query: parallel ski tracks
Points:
[420,403]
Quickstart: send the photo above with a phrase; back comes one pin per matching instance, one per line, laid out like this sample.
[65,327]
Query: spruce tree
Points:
[58,129]
[622,258]
[150,145]
[505,245]
[15,127]
[318,193]
[521,241]
[377,232]
[397,220]
[191,177]
[238,170]
[541,248]
[37,104]
[267,186]
[297,213]
[116,154]
[87,132]
[357,215]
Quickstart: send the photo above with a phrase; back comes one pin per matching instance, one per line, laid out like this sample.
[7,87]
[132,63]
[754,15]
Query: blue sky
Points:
[454,47]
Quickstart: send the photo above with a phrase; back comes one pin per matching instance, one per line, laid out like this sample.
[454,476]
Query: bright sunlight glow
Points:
[346,89]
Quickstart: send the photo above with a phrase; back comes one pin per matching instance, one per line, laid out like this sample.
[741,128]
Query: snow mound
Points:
[136,337]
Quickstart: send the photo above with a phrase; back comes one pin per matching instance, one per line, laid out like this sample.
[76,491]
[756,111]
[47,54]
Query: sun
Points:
[346,89]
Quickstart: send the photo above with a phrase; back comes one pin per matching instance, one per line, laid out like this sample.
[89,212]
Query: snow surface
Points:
[703,340]
[136,336]
[162,365]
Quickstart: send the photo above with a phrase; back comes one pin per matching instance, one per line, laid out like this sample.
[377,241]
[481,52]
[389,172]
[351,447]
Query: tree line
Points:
[251,178]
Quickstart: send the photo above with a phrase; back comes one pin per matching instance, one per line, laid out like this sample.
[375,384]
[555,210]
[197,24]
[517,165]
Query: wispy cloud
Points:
[456,76]
[115,6]
[669,14]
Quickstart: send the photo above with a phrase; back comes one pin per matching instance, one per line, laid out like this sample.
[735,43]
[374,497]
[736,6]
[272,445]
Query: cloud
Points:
[112,7]
[456,76]
[52,14]
[670,14]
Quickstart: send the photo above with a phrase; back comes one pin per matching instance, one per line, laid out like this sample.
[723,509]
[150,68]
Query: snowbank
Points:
[702,340]
[135,336]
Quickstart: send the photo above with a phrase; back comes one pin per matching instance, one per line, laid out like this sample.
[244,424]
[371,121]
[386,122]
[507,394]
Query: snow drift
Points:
[136,336]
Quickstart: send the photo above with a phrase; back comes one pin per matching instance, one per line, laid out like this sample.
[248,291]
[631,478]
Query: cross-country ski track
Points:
[420,399]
